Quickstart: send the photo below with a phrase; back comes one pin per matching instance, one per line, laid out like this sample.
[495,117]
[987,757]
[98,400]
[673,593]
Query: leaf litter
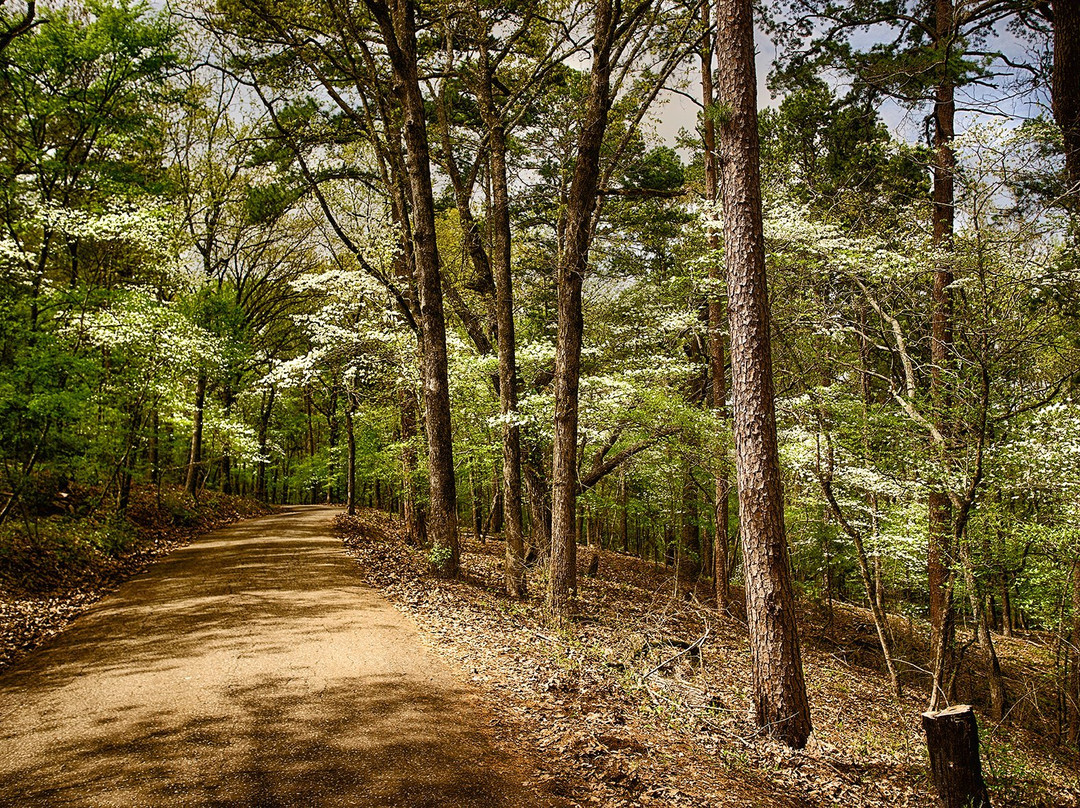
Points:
[646,699]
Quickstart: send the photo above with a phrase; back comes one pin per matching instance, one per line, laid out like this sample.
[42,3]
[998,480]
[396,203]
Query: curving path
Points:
[250,668]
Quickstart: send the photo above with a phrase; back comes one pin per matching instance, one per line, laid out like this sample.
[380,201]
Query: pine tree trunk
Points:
[779,689]
[939,511]
[1065,89]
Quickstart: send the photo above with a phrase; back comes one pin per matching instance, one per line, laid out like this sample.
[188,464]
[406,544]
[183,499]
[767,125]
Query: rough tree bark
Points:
[780,701]
[1065,89]
[504,315]
[1065,92]
[939,512]
[573,260]
[397,22]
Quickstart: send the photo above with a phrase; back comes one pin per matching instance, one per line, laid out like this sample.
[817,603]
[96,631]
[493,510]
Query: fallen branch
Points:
[694,645]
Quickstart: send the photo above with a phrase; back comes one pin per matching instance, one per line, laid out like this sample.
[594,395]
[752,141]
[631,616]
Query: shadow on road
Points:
[248,669]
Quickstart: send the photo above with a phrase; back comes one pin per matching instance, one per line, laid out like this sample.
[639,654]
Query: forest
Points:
[780,302]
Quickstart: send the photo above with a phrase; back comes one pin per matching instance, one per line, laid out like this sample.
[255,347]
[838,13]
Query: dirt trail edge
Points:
[250,668]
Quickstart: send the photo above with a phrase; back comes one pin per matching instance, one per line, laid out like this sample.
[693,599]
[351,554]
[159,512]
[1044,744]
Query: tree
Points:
[397,22]
[1065,87]
[722,560]
[780,701]
[83,224]
[939,47]
[620,35]
[562,567]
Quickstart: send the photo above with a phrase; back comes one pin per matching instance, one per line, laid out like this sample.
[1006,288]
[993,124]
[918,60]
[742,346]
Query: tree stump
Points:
[952,739]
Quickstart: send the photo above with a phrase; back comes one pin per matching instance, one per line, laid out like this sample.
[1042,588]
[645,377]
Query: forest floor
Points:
[69,562]
[646,699]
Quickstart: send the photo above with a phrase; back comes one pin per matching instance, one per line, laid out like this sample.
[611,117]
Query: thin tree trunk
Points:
[477,502]
[332,430]
[717,321]
[497,512]
[877,609]
[195,456]
[1074,655]
[939,551]
[779,689]
[350,459]
[623,507]
[152,453]
[414,520]
[228,398]
[309,411]
[127,464]
[691,535]
[994,680]
[573,261]
[504,315]
[263,437]
[539,501]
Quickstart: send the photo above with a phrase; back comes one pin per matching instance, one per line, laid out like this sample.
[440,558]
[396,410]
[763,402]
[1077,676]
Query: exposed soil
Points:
[621,712]
[33,610]
[250,668]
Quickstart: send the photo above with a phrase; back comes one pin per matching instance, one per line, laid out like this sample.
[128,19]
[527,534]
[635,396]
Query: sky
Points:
[677,112]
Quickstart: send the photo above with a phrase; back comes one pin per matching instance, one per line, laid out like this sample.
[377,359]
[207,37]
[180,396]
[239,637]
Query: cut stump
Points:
[952,739]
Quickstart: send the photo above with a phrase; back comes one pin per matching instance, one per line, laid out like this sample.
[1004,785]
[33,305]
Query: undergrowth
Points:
[73,542]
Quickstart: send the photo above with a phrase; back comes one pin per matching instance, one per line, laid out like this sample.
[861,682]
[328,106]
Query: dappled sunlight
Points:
[247,669]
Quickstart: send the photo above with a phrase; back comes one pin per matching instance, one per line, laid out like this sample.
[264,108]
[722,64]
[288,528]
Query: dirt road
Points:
[250,668]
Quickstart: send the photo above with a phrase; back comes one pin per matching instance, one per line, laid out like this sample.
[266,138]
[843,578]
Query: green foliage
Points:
[836,156]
